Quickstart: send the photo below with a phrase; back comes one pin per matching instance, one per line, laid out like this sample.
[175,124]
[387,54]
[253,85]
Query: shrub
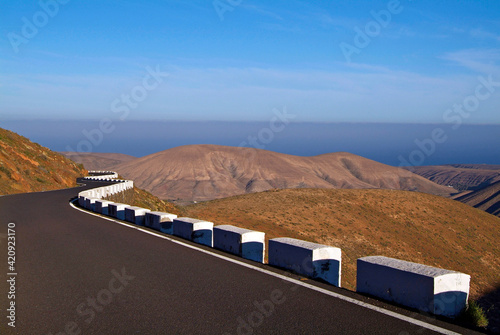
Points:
[474,315]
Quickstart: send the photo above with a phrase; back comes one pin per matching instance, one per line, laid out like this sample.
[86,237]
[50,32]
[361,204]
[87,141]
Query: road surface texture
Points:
[77,273]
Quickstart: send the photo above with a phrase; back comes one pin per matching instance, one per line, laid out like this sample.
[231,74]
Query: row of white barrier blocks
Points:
[430,289]
[426,288]
[105,191]
[104,174]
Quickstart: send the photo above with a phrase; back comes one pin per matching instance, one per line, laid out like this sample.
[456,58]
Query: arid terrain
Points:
[413,226]
[28,167]
[462,177]
[487,199]
[479,183]
[205,172]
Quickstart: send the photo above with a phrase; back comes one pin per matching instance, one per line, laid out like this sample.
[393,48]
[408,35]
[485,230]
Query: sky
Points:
[238,60]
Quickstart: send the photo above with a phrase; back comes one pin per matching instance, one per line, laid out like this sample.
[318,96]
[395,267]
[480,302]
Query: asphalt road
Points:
[77,273]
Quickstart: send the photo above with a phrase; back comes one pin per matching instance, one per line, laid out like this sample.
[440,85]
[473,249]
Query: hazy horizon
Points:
[391,144]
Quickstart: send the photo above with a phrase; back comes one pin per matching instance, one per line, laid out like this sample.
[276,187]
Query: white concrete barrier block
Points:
[427,288]
[81,199]
[101,206]
[90,203]
[245,243]
[117,210]
[195,230]
[160,221]
[313,260]
[98,192]
[135,214]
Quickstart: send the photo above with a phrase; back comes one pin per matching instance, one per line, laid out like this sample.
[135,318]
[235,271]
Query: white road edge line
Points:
[294,281]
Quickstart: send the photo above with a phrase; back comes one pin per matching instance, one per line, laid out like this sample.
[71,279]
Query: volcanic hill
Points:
[205,172]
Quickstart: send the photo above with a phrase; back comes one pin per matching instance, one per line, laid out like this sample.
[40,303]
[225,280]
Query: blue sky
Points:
[239,60]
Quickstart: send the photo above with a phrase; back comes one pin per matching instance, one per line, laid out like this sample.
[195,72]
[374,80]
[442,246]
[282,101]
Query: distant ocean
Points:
[393,144]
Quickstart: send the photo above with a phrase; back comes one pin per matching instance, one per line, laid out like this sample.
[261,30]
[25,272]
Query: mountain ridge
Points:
[486,199]
[205,172]
[463,177]
[480,183]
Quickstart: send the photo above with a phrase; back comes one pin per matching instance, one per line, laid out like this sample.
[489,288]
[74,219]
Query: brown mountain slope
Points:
[204,172]
[487,199]
[98,161]
[28,167]
[411,226]
[461,176]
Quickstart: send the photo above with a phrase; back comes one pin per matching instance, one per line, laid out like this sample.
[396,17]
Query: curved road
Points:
[78,273]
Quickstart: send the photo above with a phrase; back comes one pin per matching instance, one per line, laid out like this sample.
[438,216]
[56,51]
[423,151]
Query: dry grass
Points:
[407,225]
[28,167]
[145,199]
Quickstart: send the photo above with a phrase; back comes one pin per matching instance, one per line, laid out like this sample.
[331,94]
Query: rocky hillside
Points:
[29,167]
[487,199]
[462,177]
[204,172]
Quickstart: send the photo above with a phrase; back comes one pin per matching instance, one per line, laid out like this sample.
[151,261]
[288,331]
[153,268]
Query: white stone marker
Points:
[160,221]
[101,206]
[313,260]
[117,210]
[246,243]
[135,214]
[429,289]
[90,203]
[195,230]
[81,200]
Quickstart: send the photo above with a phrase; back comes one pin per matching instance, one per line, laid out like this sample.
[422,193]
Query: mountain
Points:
[461,176]
[487,199]
[204,172]
[98,161]
[411,226]
[28,167]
